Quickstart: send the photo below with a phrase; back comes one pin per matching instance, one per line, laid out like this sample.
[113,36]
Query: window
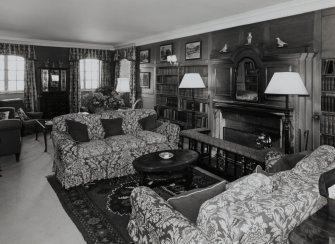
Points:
[11,73]
[90,73]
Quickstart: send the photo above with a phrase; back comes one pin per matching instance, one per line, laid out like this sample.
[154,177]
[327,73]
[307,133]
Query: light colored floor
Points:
[30,211]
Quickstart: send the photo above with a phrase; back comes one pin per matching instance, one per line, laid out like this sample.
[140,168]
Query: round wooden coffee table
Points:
[181,162]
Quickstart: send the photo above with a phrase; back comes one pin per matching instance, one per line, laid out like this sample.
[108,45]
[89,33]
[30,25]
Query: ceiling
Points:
[113,23]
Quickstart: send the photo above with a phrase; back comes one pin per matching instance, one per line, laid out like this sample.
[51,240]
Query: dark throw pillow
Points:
[288,162]
[112,127]
[22,114]
[77,131]
[149,123]
[189,203]
[4,115]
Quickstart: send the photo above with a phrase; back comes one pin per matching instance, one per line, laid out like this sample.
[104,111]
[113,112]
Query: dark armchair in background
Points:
[28,126]
[10,134]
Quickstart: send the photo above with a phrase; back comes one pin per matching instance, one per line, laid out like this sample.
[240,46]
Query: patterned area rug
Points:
[101,210]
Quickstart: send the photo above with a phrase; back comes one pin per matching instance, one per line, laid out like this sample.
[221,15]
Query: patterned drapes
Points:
[74,96]
[27,52]
[106,56]
[128,53]
[30,91]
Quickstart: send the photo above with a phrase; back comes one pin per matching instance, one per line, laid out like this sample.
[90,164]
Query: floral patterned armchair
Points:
[256,209]
[103,158]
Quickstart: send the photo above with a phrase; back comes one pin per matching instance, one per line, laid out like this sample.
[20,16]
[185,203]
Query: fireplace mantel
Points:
[249,107]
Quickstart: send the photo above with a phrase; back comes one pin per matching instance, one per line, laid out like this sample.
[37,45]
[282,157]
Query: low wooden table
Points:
[316,229]
[181,162]
[45,127]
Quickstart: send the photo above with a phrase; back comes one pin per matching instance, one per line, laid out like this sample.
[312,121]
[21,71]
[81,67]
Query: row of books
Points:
[187,117]
[173,80]
[328,83]
[328,140]
[198,106]
[328,67]
[167,89]
[168,113]
[167,101]
[201,122]
[327,124]
[167,71]
[198,93]
[328,103]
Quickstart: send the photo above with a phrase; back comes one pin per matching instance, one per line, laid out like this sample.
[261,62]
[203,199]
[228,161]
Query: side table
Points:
[46,127]
[317,229]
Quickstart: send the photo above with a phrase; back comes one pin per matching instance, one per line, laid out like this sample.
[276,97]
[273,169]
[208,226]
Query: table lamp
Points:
[286,83]
[192,81]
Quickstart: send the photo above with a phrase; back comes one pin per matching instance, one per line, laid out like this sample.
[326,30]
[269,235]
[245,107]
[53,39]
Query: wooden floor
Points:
[30,211]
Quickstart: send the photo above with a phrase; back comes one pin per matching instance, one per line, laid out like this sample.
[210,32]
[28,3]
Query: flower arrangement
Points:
[102,99]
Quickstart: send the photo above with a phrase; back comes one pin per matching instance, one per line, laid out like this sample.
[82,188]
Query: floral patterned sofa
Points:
[254,209]
[103,158]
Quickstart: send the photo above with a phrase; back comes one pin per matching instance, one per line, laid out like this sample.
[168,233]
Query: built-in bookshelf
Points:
[176,105]
[327,122]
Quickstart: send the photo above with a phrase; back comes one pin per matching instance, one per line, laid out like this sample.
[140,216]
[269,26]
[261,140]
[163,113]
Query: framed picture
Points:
[63,80]
[145,56]
[193,50]
[45,80]
[164,51]
[145,80]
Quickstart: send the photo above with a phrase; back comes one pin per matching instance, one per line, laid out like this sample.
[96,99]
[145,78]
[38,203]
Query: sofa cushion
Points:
[124,142]
[4,115]
[150,137]
[112,127]
[22,114]
[287,162]
[188,203]
[77,131]
[93,148]
[149,123]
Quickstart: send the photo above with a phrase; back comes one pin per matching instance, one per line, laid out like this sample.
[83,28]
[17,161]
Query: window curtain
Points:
[105,56]
[128,53]
[27,52]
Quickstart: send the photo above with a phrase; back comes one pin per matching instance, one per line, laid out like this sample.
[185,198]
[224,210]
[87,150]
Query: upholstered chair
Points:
[10,134]
[28,125]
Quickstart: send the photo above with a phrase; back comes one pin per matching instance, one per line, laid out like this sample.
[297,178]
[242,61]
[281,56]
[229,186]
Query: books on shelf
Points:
[167,101]
[167,71]
[328,140]
[167,113]
[328,102]
[198,106]
[167,89]
[328,83]
[327,124]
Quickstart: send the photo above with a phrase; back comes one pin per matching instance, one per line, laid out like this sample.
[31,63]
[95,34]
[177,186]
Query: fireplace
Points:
[243,124]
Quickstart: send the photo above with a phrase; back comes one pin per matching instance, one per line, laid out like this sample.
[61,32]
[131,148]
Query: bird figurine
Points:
[280,43]
[249,38]
[224,49]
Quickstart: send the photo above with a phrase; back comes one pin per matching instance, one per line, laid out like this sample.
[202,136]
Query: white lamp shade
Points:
[192,80]
[122,85]
[286,83]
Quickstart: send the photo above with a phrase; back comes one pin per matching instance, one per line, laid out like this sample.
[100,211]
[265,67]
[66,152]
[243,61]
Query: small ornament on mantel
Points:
[280,43]
[224,49]
[249,38]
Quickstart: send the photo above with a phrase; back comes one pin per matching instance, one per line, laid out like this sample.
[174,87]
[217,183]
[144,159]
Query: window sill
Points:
[11,93]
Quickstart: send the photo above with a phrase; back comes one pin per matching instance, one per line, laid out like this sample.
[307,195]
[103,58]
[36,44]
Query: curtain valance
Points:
[127,53]
[26,51]
[81,53]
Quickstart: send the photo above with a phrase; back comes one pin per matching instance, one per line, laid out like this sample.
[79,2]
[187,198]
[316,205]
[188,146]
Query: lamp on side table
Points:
[286,83]
[192,81]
